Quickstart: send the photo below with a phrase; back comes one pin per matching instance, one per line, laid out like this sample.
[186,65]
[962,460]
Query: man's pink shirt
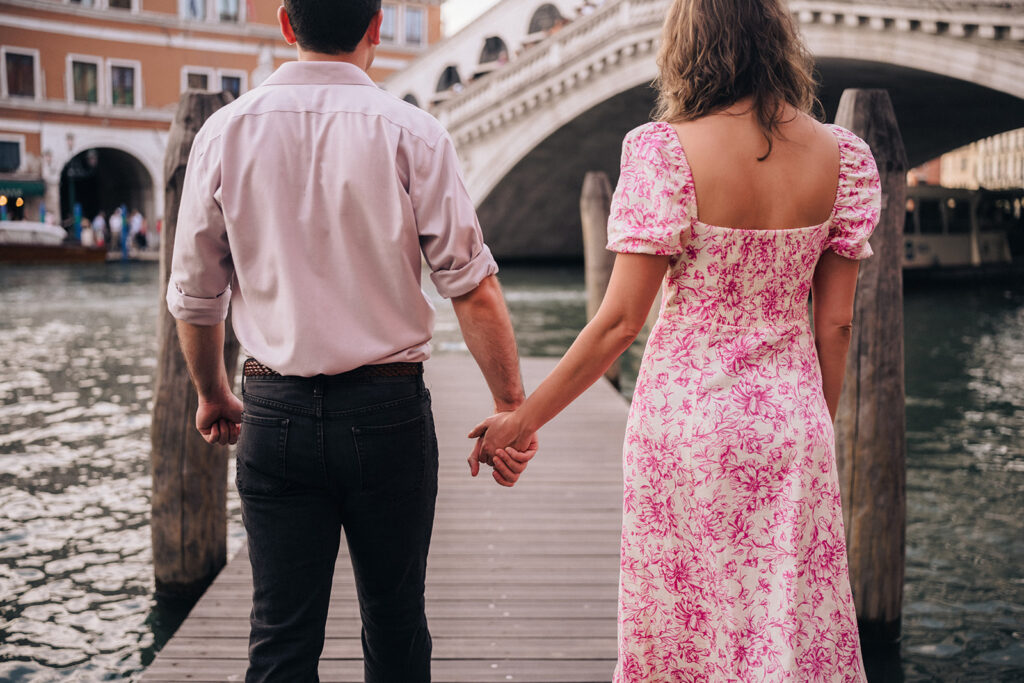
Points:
[307,204]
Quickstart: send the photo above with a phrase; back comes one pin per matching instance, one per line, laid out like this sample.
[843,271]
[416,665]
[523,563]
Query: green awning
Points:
[22,188]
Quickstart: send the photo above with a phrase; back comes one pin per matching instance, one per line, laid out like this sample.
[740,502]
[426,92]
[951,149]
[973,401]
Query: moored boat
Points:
[27,242]
[949,228]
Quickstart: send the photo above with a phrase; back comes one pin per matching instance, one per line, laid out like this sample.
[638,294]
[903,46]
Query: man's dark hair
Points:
[330,26]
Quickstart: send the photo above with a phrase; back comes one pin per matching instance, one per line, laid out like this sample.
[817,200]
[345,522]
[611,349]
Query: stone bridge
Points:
[536,94]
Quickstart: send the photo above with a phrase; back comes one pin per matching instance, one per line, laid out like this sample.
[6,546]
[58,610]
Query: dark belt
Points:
[254,368]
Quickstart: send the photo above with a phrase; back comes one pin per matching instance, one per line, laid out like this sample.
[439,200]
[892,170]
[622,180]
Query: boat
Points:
[27,242]
[949,228]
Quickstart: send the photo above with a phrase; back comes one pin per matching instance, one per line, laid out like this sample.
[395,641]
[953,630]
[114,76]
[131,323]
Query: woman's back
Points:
[737,186]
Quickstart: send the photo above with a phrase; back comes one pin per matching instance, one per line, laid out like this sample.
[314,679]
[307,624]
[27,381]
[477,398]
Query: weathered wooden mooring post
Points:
[595,205]
[871,425]
[189,500]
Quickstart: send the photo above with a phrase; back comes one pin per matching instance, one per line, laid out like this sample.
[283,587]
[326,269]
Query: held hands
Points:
[502,444]
[219,418]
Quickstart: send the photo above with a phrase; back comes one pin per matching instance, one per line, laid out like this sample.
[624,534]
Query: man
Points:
[307,203]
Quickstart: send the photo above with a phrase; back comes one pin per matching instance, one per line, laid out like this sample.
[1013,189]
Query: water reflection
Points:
[77,348]
[964,608]
[77,354]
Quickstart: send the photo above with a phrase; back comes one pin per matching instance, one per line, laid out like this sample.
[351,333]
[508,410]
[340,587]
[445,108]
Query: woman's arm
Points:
[832,295]
[631,291]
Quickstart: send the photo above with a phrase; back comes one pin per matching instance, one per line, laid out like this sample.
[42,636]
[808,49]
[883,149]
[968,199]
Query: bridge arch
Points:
[561,106]
[527,186]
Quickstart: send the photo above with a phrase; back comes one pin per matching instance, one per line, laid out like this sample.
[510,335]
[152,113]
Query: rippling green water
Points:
[77,350]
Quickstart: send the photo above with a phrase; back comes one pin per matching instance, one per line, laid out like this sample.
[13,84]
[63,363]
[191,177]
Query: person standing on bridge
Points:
[308,203]
[733,560]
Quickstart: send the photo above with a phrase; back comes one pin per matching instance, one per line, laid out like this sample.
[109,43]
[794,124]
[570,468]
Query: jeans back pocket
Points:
[392,457]
[260,456]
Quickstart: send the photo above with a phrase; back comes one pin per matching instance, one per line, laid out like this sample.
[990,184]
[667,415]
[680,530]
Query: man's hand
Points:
[498,431]
[219,419]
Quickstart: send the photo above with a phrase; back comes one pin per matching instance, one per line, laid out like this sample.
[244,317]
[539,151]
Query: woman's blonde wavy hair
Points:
[716,52]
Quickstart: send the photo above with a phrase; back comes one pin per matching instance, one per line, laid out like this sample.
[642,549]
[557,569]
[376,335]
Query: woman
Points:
[733,561]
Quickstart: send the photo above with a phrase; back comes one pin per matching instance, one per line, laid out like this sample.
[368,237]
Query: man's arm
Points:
[487,330]
[219,416]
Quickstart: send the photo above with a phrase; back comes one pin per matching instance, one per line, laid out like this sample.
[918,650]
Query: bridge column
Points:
[870,427]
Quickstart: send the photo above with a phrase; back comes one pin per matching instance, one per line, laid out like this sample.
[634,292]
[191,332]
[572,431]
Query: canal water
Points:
[77,348]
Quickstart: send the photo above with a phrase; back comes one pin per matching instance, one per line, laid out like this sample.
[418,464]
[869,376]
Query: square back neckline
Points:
[674,137]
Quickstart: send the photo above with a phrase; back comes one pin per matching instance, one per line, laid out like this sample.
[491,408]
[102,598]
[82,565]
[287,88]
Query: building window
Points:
[10,156]
[84,76]
[389,24]
[198,78]
[231,84]
[124,84]
[414,26]
[20,72]
[228,10]
[193,9]
[120,4]
[83,3]
[232,81]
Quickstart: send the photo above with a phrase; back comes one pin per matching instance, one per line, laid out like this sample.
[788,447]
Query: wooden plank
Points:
[444,648]
[446,609]
[521,584]
[444,671]
[235,627]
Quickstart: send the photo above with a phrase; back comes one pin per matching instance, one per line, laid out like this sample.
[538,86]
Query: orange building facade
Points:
[88,89]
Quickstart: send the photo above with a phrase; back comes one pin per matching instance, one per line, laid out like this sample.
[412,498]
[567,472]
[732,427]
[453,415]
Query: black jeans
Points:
[316,455]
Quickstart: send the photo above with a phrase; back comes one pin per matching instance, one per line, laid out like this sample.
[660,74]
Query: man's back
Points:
[328,190]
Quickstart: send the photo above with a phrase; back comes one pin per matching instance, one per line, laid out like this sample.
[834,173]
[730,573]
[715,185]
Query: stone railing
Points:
[622,29]
[562,50]
[965,20]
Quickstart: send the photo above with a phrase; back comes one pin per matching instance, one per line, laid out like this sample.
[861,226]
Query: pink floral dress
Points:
[733,562]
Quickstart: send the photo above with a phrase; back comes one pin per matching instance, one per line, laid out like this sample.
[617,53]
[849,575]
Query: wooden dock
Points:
[521,583]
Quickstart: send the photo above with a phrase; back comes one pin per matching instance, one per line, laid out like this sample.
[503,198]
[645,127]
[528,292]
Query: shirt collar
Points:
[319,73]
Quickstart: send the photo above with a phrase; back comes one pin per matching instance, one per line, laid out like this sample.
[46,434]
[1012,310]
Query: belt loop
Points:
[318,395]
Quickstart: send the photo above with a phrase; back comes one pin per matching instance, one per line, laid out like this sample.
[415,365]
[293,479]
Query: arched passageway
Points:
[494,50]
[546,19]
[449,79]
[102,179]
[493,55]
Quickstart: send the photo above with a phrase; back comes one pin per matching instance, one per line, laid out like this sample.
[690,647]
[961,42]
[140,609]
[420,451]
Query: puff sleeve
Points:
[858,200]
[654,202]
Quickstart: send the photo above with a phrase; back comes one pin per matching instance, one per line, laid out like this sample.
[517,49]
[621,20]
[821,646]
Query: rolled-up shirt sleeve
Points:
[450,234]
[199,289]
